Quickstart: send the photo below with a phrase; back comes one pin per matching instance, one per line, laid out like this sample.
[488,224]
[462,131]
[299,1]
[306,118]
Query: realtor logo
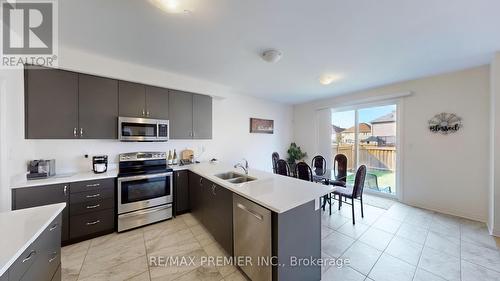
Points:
[29,33]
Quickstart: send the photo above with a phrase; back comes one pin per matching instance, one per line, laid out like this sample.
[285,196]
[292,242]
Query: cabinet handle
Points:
[201,181]
[147,113]
[54,258]
[53,227]
[74,132]
[93,196]
[94,206]
[93,185]
[81,132]
[32,253]
[143,112]
[194,134]
[213,189]
[65,190]
[93,223]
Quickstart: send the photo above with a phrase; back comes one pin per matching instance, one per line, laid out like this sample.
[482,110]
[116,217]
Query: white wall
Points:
[231,112]
[494,184]
[443,173]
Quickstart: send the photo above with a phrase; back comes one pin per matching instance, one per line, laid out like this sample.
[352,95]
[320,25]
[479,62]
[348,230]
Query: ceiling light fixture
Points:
[272,55]
[327,79]
[171,6]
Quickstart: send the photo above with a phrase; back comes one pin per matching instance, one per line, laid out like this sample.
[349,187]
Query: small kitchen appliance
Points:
[41,169]
[100,164]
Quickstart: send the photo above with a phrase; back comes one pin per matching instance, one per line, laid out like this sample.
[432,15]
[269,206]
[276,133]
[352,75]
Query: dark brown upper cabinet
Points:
[157,101]
[132,99]
[63,104]
[181,115]
[138,100]
[190,115]
[98,107]
[51,104]
[202,117]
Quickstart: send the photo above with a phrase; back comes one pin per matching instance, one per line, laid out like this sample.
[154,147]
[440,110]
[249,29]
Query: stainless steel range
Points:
[145,189]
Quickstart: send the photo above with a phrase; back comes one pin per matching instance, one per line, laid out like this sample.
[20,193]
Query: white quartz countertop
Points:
[21,180]
[275,192]
[20,228]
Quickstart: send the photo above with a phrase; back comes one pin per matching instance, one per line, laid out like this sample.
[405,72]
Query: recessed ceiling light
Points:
[327,79]
[171,6]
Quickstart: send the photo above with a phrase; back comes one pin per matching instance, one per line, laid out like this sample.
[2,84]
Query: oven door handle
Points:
[144,177]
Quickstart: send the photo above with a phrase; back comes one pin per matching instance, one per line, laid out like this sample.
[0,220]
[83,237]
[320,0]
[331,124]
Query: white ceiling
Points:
[367,42]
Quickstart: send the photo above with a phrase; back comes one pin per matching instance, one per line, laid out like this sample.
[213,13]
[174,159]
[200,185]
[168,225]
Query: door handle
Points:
[31,254]
[93,223]
[52,259]
[94,206]
[53,227]
[258,216]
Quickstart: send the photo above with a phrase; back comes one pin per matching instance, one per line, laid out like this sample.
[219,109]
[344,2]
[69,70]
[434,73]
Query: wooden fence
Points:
[374,157]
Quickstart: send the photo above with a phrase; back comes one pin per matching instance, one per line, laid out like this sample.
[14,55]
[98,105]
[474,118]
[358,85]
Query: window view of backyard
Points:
[368,137]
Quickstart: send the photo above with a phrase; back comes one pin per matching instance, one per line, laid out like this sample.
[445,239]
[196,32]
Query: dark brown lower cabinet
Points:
[29,197]
[92,224]
[212,205]
[92,209]
[90,206]
[181,192]
[221,216]
[41,260]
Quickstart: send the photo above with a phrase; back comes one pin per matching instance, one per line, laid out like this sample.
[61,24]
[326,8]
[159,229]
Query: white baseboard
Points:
[447,212]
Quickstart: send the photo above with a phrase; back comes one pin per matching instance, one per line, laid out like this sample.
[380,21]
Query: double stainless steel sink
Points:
[235,178]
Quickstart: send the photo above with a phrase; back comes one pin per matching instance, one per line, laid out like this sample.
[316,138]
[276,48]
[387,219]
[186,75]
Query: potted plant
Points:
[295,154]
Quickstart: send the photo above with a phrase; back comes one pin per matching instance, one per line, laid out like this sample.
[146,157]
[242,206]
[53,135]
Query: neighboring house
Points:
[384,128]
[365,131]
[336,134]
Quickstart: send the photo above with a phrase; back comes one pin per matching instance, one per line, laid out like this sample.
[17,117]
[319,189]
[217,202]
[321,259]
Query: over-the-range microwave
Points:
[142,129]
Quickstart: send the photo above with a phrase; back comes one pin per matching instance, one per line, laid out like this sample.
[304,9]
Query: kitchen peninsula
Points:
[30,240]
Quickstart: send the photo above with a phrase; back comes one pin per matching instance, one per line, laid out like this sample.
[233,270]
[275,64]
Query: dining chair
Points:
[275,157]
[354,192]
[318,164]
[282,168]
[340,167]
[303,171]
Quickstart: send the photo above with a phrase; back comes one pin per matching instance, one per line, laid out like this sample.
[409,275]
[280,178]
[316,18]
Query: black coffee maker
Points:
[100,164]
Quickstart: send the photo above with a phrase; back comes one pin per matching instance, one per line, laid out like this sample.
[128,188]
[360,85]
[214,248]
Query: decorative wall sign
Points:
[261,126]
[445,123]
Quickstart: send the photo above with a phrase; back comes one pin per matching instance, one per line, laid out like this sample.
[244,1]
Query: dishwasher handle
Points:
[256,215]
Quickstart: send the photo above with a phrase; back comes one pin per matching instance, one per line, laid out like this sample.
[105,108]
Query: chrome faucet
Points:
[244,167]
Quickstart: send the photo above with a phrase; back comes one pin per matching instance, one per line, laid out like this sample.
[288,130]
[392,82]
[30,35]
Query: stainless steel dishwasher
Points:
[252,237]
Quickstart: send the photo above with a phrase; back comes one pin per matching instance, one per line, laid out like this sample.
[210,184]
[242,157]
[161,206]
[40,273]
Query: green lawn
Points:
[384,178]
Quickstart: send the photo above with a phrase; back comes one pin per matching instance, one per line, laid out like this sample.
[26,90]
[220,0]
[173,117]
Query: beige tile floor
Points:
[402,243]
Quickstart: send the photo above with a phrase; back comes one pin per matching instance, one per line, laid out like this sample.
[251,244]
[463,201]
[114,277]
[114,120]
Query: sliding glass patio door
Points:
[368,136]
